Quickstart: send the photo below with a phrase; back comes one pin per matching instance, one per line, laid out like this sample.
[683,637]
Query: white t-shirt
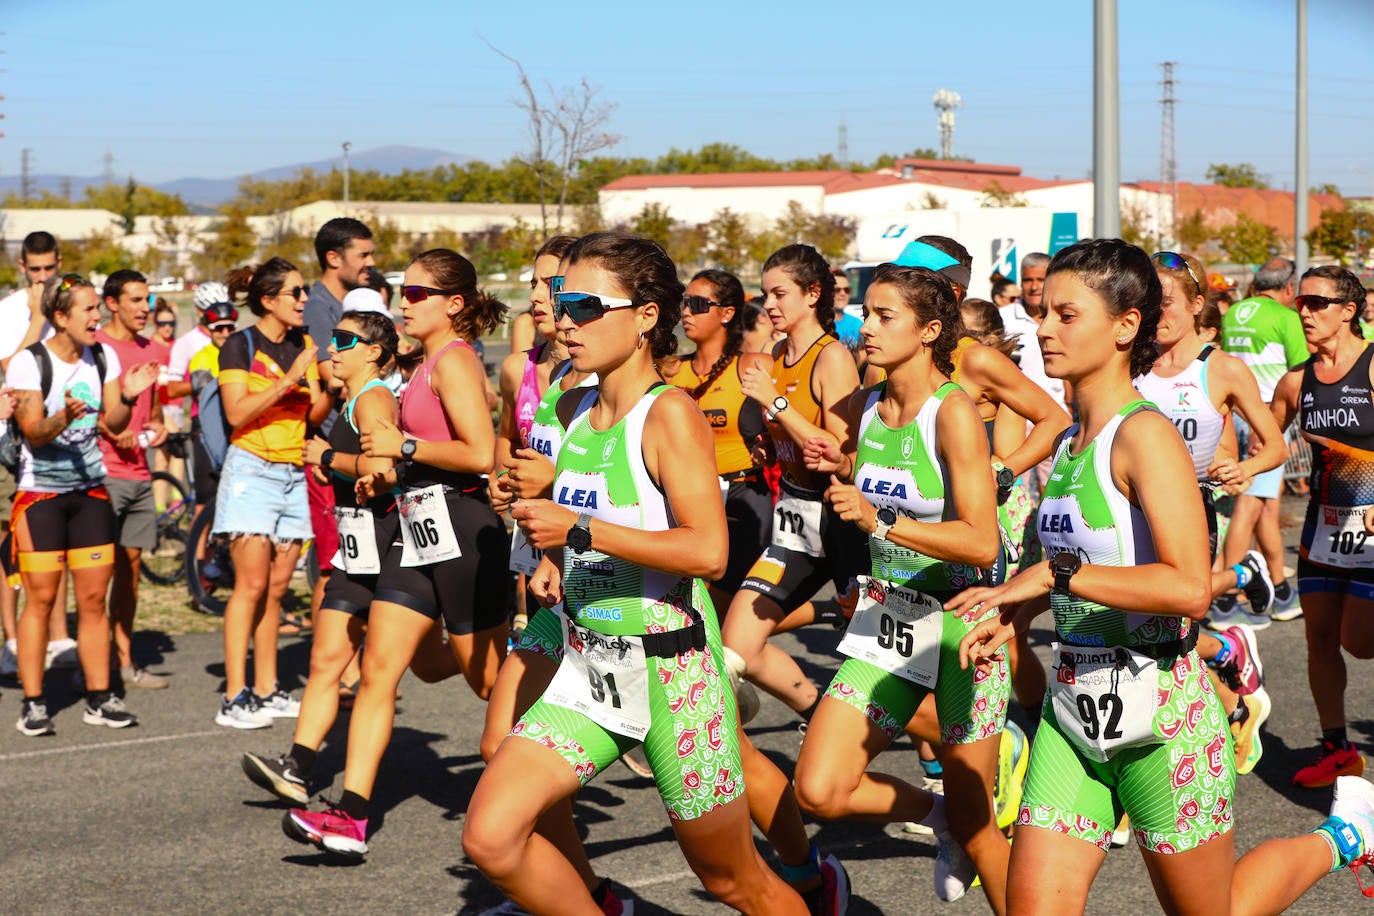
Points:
[1020,327]
[14,322]
[183,351]
[71,461]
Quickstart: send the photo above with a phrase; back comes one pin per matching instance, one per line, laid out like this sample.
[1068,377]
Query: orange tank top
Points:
[722,403]
[794,383]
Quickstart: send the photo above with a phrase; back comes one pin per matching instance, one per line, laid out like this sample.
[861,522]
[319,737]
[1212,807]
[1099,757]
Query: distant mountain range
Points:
[211,192]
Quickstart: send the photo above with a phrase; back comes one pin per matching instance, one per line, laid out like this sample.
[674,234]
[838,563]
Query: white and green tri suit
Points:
[543,634]
[901,644]
[1131,724]
[1184,398]
[641,648]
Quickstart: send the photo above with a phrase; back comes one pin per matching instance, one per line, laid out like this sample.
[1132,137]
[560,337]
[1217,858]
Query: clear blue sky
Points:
[214,90]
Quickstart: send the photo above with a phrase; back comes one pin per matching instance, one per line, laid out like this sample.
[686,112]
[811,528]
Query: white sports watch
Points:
[780,404]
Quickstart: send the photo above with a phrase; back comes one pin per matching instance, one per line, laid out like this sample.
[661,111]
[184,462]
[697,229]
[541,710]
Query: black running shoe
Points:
[33,719]
[282,777]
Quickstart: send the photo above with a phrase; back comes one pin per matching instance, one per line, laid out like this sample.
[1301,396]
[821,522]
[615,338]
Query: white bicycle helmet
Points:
[208,293]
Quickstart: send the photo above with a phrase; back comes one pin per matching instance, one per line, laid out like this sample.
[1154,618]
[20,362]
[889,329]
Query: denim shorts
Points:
[1262,486]
[261,497]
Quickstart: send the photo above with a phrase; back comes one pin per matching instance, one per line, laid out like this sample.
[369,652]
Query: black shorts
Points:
[792,578]
[63,524]
[749,521]
[352,593]
[203,475]
[469,591]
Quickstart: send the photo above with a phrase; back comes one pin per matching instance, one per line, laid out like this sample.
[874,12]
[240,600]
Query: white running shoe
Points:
[1289,608]
[61,654]
[1352,805]
[242,712]
[279,705]
[1218,619]
[954,870]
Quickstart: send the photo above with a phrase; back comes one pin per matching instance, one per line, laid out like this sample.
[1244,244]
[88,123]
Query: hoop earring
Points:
[639,344]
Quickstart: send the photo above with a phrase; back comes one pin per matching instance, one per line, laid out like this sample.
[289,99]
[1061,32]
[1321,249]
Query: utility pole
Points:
[346,147]
[844,145]
[107,170]
[1106,122]
[67,187]
[25,172]
[1300,186]
[1168,159]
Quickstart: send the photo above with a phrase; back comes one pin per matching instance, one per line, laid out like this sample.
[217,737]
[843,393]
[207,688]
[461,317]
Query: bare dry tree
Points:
[565,128]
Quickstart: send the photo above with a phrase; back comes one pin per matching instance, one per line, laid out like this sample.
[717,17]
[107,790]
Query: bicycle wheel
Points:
[165,564]
[210,573]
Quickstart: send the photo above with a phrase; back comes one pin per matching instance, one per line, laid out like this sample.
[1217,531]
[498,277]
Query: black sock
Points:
[1283,591]
[37,699]
[354,805]
[1225,602]
[97,697]
[304,757]
[1335,737]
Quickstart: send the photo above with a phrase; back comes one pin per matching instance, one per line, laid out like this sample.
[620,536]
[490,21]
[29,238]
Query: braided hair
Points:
[729,293]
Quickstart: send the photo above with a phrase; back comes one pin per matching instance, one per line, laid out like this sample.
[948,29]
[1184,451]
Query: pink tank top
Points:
[423,417]
[527,397]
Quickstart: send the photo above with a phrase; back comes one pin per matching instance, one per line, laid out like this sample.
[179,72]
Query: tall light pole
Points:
[346,147]
[1300,191]
[1106,123]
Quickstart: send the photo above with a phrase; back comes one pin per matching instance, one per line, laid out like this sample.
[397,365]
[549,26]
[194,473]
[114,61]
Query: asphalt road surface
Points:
[160,818]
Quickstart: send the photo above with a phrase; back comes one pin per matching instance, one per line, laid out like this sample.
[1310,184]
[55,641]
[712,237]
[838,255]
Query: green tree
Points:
[1327,188]
[653,222]
[1240,175]
[101,253]
[1248,241]
[686,247]
[728,240]
[42,200]
[132,199]
[392,248]
[1341,233]
[1136,230]
[995,195]
[1194,235]
[230,243]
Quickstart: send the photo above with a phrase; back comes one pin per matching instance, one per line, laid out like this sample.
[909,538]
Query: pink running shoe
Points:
[330,830]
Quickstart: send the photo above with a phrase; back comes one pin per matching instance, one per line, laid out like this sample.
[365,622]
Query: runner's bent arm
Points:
[1284,406]
[1007,384]
[970,535]
[1243,394]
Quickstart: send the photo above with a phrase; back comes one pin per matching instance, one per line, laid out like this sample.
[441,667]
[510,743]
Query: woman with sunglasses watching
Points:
[1132,722]
[62,520]
[803,396]
[636,524]
[270,389]
[1197,387]
[912,475]
[1330,394]
[450,564]
[362,353]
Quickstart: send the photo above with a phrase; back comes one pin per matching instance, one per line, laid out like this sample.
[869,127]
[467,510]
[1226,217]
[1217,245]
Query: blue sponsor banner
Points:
[1004,260]
[1063,231]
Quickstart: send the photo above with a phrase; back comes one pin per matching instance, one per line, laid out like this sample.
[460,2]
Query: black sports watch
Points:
[887,517]
[408,449]
[1005,475]
[327,459]
[580,534]
[1064,564]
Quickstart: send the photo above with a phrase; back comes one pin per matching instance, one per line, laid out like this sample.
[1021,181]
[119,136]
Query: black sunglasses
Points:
[584,307]
[342,340]
[698,305]
[165,324]
[296,292]
[417,294]
[1314,303]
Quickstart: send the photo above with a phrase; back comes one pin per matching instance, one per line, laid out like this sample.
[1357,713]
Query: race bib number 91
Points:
[605,678]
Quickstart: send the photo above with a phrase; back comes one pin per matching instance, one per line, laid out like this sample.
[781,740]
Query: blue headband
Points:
[919,254]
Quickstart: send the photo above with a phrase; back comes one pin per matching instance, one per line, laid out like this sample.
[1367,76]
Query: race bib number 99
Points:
[357,542]
[1105,698]
[605,678]
[896,629]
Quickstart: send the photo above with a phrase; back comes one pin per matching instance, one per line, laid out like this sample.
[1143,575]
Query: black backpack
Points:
[10,445]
